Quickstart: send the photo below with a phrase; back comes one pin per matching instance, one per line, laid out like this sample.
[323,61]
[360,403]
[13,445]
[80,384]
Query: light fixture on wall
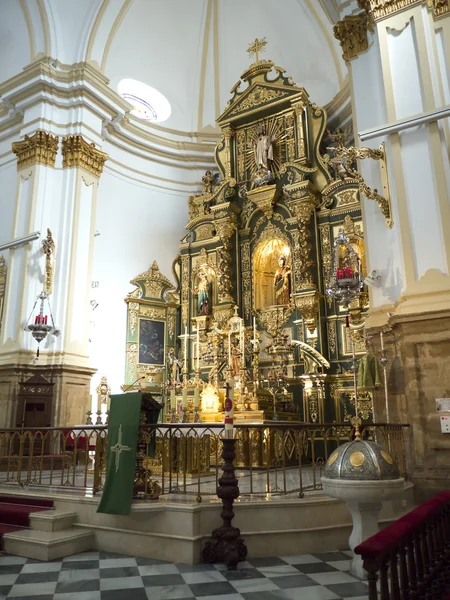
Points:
[346,280]
[41,327]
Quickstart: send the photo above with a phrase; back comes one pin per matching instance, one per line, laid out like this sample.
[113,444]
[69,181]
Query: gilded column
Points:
[228,133]
[299,108]
[352,35]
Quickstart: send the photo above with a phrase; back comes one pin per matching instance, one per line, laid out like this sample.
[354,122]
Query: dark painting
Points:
[151,342]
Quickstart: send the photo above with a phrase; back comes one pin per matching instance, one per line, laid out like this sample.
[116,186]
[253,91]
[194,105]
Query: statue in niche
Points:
[263,149]
[203,294]
[282,282]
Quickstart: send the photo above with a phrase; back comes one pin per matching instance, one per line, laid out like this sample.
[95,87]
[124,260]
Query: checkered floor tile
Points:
[103,576]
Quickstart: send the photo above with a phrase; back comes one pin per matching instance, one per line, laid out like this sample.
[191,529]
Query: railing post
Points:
[226,545]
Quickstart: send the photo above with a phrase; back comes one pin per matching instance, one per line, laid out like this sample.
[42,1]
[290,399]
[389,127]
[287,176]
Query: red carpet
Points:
[15,512]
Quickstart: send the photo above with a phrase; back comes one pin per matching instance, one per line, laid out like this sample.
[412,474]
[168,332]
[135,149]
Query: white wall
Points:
[8,179]
[137,226]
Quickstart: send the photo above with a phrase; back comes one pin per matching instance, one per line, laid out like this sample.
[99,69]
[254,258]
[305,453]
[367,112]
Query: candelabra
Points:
[41,328]
[281,351]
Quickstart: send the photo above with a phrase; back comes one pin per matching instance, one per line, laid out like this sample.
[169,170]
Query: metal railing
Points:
[273,458]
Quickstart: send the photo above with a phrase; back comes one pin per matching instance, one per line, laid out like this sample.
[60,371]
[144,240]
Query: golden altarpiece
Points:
[253,269]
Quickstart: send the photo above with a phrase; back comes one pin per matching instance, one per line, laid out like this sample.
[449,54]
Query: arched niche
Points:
[272,280]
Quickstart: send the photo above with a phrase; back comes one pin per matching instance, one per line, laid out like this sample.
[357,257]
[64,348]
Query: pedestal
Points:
[364,499]
[226,544]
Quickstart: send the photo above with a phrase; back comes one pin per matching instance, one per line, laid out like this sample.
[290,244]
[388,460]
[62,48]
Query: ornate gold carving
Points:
[331,327]
[3,271]
[255,47]
[133,312]
[264,199]
[308,305]
[153,313]
[352,35]
[79,153]
[351,228]
[347,197]
[103,391]
[203,232]
[439,7]
[299,108]
[39,148]
[156,284]
[345,157]
[185,289]
[48,248]
[357,459]
[260,95]
[274,317]
[327,258]
[378,9]
[222,314]
[246,278]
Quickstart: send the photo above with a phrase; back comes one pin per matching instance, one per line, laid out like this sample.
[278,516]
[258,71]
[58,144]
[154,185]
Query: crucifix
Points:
[119,448]
[255,47]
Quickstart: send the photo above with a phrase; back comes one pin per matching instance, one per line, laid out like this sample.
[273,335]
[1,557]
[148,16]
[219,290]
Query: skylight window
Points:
[148,104]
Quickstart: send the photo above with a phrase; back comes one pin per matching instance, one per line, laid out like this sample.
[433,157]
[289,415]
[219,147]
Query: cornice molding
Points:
[382,9]
[79,153]
[38,148]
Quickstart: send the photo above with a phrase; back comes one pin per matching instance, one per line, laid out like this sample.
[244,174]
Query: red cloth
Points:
[81,441]
[384,540]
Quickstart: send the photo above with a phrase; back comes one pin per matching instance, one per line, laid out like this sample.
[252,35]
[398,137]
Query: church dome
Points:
[361,460]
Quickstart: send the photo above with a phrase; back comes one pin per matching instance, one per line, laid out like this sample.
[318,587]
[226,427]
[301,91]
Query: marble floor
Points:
[105,576]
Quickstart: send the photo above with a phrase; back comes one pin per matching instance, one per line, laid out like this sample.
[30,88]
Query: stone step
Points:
[52,520]
[48,545]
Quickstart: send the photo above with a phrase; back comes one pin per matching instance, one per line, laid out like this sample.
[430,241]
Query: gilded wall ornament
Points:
[185,288]
[379,9]
[260,95]
[246,275]
[38,148]
[308,305]
[156,284]
[273,318]
[346,197]
[48,248]
[3,271]
[133,312]
[203,232]
[326,251]
[352,35]
[79,153]
[331,328]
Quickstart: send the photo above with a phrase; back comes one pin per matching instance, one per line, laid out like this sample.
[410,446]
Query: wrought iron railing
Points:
[173,459]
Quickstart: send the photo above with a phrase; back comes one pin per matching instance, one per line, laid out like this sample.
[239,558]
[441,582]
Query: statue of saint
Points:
[263,149]
[282,282]
[202,291]
[209,181]
[174,366]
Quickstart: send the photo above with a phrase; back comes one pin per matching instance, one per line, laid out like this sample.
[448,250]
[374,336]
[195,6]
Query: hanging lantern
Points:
[346,280]
[41,326]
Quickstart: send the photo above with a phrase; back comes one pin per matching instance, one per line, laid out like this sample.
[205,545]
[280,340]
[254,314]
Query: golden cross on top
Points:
[119,448]
[256,47]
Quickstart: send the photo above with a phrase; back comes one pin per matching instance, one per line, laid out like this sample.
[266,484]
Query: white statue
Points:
[263,149]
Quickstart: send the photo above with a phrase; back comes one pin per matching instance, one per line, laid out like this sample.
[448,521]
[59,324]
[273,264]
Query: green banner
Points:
[123,427]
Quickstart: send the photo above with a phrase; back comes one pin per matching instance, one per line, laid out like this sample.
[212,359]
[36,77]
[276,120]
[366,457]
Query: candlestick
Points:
[198,349]
[173,399]
[185,348]
[254,330]
[229,408]
[196,397]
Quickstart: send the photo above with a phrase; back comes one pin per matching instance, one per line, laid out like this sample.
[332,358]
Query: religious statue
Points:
[202,290]
[282,282]
[263,149]
[174,366]
[209,181]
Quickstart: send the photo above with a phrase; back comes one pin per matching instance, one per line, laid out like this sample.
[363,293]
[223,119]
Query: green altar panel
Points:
[122,440]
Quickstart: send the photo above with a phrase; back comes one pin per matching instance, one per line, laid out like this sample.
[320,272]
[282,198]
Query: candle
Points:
[173,399]
[196,397]
[242,345]
[229,408]
[254,330]
[184,397]
[198,349]
[382,341]
[36,320]
[229,350]
[185,348]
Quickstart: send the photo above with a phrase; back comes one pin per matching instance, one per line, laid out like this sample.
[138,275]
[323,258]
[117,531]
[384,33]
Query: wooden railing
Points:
[273,458]
[410,559]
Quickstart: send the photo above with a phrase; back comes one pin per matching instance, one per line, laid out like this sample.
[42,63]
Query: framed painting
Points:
[151,342]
